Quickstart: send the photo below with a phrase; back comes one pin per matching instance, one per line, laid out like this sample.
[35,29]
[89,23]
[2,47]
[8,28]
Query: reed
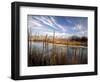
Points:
[55,56]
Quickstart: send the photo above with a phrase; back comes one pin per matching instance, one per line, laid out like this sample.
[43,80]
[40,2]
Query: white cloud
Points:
[57,34]
[33,23]
[39,21]
[58,25]
[69,21]
[80,30]
[46,21]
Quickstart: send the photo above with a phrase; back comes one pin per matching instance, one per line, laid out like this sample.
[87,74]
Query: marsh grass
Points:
[70,53]
[56,56]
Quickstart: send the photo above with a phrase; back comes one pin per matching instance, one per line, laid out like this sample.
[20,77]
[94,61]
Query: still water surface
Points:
[71,54]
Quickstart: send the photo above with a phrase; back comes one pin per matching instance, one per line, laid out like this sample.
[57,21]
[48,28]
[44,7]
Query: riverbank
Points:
[67,43]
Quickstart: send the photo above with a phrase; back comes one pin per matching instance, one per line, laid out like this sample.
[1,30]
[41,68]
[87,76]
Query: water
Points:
[57,54]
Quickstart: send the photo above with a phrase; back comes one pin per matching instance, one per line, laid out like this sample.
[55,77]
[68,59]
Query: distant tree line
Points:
[81,39]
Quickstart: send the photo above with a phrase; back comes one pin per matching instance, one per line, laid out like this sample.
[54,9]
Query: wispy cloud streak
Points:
[59,24]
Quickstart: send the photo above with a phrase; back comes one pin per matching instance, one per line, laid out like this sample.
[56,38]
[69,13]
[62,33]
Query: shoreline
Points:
[68,44]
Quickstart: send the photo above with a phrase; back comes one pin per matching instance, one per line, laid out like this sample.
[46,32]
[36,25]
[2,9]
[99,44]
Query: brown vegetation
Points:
[57,56]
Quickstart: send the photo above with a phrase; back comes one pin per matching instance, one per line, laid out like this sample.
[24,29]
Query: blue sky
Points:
[62,25]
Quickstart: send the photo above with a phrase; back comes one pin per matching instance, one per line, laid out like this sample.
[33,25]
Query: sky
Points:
[62,25]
